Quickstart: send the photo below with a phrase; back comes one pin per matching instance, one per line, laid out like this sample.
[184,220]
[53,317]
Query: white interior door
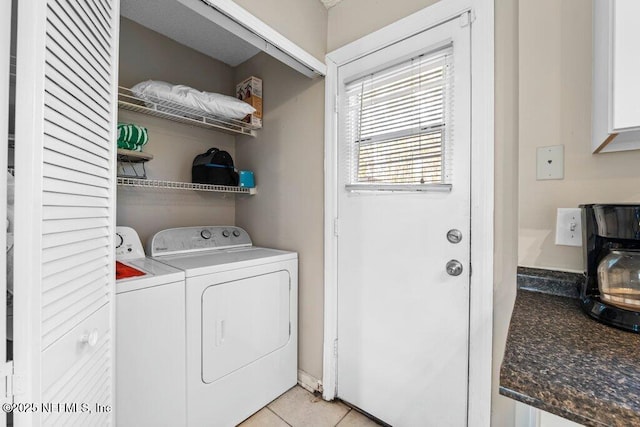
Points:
[403,320]
[65,211]
[5,52]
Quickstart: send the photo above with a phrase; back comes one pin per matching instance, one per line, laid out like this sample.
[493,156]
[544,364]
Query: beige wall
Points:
[555,108]
[287,158]
[506,195]
[302,21]
[350,20]
[145,54]
[346,25]
[287,212]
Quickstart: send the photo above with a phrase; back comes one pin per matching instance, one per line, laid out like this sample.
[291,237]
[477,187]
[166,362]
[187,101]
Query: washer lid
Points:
[156,273]
[216,260]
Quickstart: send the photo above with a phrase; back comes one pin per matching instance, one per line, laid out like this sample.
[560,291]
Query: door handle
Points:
[219,333]
[454,268]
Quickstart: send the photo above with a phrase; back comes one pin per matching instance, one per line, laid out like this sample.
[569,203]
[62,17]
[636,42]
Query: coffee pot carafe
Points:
[611,245]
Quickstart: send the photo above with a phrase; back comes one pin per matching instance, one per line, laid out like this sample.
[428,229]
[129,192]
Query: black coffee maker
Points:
[611,245]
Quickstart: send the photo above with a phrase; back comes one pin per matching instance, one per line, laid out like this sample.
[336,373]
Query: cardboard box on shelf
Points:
[250,91]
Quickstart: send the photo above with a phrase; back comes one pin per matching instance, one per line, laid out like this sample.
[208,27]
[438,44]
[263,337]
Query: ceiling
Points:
[188,27]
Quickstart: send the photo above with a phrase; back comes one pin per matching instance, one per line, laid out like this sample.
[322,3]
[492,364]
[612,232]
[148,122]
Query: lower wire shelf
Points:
[173,185]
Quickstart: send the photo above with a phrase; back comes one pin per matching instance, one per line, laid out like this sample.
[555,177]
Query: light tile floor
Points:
[299,408]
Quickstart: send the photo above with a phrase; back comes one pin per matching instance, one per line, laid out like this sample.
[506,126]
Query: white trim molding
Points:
[243,24]
[482,213]
[329,357]
[309,382]
[482,188]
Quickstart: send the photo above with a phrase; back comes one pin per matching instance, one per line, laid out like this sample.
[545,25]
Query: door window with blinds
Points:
[397,125]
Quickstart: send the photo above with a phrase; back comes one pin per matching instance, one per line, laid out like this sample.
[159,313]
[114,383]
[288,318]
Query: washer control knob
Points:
[225,233]
[205,234]
[119,240]
[236,233]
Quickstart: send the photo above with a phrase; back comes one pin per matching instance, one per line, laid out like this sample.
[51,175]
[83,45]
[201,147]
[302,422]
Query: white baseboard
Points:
[309,382]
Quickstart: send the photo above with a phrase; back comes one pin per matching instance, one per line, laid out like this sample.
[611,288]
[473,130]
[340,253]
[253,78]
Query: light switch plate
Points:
[550,162]
[569,227]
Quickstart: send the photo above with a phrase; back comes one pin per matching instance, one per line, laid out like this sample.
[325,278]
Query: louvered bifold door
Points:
[65,211]
[5,81]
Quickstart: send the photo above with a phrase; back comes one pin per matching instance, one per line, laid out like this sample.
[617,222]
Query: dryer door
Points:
[242,321]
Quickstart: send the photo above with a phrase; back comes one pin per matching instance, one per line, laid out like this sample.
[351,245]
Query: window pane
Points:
[406,160]
[396,122]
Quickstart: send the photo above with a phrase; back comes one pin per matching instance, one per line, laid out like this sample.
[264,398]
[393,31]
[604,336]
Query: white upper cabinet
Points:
[616,67]
[626,66]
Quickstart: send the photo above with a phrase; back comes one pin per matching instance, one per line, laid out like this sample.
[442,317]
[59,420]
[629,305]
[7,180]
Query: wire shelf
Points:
[178,113]
[133,156]
[131,163]
[173,185]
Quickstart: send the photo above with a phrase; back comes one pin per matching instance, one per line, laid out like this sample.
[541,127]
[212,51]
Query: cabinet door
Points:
[626,66]
[65,210]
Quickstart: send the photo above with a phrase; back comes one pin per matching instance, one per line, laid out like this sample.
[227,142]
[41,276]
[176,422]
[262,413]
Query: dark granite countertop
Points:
[560,360]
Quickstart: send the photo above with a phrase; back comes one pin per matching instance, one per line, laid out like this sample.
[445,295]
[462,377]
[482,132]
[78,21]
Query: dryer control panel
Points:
[186,240]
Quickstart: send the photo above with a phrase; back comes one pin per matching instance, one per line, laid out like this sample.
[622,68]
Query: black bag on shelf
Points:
[214,167]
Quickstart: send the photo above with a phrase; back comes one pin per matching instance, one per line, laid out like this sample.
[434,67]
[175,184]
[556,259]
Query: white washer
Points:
[242,320]
[150,338]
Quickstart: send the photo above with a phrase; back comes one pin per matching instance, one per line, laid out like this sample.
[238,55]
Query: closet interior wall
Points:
[287,157]
[146,54]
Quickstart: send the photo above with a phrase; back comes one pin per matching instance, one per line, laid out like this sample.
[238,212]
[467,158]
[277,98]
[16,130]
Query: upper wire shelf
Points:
[151,183]
[178,113]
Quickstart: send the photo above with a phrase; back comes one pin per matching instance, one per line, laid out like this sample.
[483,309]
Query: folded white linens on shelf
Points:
[207,102]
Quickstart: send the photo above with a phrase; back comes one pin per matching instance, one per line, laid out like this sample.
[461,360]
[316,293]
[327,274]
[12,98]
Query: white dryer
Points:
[241,320]
[150,338]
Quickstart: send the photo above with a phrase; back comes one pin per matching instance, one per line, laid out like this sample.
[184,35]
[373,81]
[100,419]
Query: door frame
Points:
[482,189]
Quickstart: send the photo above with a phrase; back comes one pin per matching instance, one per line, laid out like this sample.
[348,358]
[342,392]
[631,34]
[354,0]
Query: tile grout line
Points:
[276,414]
[343,417]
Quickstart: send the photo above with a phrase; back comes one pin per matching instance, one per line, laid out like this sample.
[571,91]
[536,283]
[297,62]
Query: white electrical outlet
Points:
[569,227]
[550,162]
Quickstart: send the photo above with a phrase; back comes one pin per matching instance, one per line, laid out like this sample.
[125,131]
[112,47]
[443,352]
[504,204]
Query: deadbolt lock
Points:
[454,235]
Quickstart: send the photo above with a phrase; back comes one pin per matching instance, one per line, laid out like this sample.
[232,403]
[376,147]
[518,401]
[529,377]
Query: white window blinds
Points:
[397,122]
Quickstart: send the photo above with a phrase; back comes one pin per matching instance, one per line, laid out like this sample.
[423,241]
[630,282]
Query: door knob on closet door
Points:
[454,268]
[90,338]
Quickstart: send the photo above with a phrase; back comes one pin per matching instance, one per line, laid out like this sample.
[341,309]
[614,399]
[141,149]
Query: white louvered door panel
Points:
[65,205]
[5,52]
